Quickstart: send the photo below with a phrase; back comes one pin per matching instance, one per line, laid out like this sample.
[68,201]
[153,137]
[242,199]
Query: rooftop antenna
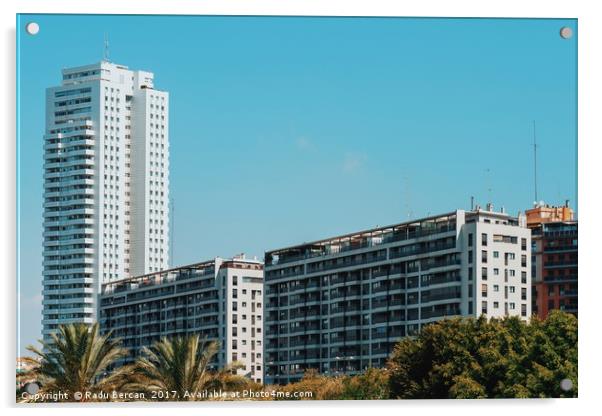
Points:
[106,49]
[535,161]
[408,209]
[488,181]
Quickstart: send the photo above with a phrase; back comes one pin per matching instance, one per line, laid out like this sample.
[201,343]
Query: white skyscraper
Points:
[106,186]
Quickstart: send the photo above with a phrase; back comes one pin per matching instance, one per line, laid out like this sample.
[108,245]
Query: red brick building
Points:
[554,259]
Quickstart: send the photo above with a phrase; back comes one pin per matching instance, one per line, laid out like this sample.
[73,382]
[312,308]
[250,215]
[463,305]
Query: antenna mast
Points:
[106,49]
[408,205]
[488,184]
[535,161]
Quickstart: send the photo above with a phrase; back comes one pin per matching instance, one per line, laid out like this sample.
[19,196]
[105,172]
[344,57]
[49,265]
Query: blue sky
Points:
[285,130]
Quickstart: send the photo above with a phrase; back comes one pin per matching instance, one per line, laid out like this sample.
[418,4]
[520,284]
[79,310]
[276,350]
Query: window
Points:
[496,288]
[512,289]
[523,293]
[496,305]
[496,254]
[496,271]
[523,309]
[484,307]
[484,239]
[484,290]
[523,244]
[484,256]
[512,305]
[470,257]
[234,280]
[470,236]
[523,277]
[484,273]
[523,260]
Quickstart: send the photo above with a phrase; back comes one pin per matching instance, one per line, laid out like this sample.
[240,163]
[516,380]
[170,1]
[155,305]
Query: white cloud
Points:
[303,143]
[352,162]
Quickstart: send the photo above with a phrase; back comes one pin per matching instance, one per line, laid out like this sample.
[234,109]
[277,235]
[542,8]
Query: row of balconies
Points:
[67,140]
[64,166]
[388,283]
[392,298]
[89,200]
[64,190]
[65,234]
[88,290]
[85,170]
[70,270]
[66,223]
[76,210]
[68,263]
[388,238]
[69,241]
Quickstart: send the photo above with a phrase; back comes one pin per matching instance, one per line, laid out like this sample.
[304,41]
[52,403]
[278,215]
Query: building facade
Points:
[339,305]
[106,186]
[221,300]
[554,259]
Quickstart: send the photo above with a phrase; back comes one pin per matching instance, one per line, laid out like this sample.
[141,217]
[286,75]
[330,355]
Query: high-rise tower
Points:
[106,186]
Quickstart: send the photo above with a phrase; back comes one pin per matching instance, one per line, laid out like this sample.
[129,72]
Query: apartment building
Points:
[554,257]
[220,299]
[106,186]
[340,304]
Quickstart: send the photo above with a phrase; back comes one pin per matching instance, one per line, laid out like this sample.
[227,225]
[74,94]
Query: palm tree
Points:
[76,360]
[180,367]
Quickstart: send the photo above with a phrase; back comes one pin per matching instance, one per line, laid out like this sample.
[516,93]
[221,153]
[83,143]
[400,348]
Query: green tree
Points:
[480,358]
[319,386]
[76,360]
[373,384]
[182,365]
[369,385]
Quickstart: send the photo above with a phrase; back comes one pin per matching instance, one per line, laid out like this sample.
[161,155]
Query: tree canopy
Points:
[480,358]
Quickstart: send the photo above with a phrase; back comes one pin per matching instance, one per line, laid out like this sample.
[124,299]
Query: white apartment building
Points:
[220,299]
[106,186]
[340,305]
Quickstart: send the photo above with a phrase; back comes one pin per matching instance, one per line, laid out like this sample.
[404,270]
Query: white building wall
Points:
[150,179]
[243,321]
[87,235]
[502,282]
